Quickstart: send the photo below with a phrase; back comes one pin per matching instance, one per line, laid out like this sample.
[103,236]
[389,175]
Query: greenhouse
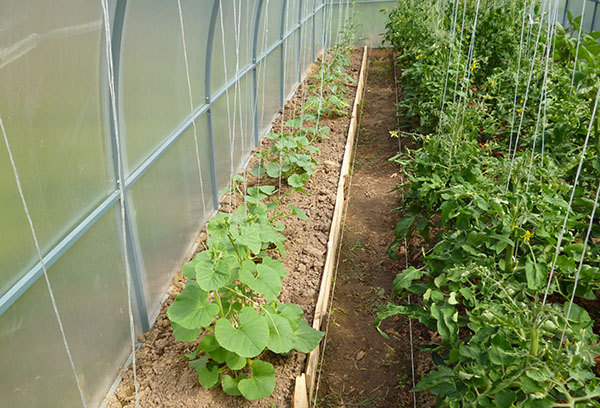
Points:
[294,203]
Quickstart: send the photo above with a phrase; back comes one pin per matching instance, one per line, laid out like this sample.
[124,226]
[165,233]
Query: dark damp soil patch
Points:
[165,379]
[362,368]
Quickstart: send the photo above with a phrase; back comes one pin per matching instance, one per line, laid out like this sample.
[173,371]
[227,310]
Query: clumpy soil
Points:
[361,368]
[164,377]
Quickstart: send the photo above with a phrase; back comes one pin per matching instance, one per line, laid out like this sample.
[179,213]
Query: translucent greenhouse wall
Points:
[55,112]
[591,18]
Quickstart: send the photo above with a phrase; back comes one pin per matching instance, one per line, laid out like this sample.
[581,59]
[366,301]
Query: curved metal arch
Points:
[134,259]
[282,54]
[209,48]
[208,61]
[259,7]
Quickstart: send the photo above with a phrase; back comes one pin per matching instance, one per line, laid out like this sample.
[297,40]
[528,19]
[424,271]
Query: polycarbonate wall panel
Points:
[292,63]
[196,19]
[575,7]
[33,360]
[269,26]
[245,108]
[17,254]
[223,63]
[371,20]
[306,46]
[268,90]
[233,34]
[153,85]
[91,294]
[50,104]
[232,131]
[292,14]
[319,30]
[169,211]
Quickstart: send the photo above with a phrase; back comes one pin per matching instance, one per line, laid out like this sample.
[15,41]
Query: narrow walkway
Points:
[361,368]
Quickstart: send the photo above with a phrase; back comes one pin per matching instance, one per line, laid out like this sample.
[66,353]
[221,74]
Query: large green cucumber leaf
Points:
[185,335]
[281,336]
[307,338]
[208,373]
[234,361]
[191,310]
[262,382]
[261,278]
[249,339]
[230,385]
[213,275]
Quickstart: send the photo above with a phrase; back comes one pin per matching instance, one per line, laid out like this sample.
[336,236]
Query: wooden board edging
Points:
[305,383]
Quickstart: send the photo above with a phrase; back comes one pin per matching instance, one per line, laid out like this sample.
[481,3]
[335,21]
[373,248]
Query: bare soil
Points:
[362,368]
[164,377]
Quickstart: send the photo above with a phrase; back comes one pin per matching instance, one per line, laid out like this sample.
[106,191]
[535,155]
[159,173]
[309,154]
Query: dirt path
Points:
[361,368]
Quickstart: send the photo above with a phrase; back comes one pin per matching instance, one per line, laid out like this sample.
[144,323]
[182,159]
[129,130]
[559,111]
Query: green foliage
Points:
[490,224]
[230,300]
[290,157]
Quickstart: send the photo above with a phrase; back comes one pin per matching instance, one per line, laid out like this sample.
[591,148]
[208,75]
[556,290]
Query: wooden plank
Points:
[322,305]
[300,394]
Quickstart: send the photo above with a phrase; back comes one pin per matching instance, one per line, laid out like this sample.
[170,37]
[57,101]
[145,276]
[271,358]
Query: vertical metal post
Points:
[299,41]
[564,19]
[208,61]
[282,48]
[131,236]
[254,70]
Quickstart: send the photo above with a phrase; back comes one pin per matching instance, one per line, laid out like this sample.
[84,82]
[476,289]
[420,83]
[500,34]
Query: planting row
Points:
[230,300]
[500,101]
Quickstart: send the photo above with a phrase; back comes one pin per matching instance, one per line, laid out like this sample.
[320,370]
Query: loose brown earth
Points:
[361,368]
[165,379]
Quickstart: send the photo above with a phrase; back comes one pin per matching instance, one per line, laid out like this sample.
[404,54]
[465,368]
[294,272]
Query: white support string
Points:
[545,118]
[43,264]
[543,92]
[191,101]
[410,333]
[530,27]
[283,73]
[237,22]
[304,85]
[469,67]
[578,274]
[520,58]
[121,183]
[327,45]
[450,51]
[237,90]
[459,54]
[525,99]
[564,226]
[580,32]
[339,26]
[229,127]
[263,66]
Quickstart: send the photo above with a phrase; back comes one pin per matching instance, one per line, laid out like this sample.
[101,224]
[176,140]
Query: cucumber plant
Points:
[290,157]
[230,302]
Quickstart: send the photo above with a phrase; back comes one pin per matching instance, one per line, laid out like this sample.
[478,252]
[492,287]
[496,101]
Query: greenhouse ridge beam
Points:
[27,280]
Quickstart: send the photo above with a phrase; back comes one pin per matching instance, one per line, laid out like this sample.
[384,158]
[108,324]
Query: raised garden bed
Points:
[164,377]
